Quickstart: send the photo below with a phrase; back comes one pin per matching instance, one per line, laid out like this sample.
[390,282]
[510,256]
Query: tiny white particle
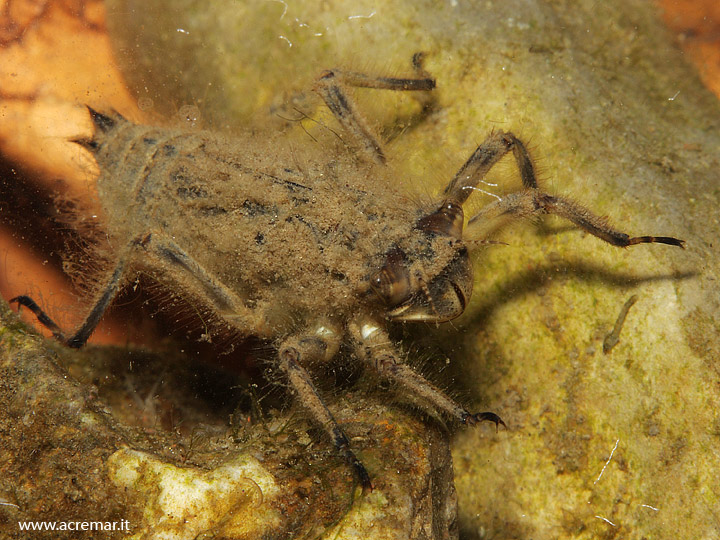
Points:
[483,191]
[285,7]
[362,16]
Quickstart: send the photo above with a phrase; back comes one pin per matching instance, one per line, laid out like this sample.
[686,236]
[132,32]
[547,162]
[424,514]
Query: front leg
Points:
[533,202]
[104,297]
[375,348]
[485,156]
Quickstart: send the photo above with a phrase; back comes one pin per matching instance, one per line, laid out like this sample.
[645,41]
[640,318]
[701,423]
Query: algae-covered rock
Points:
[185,502]
[83,440]
[600,444]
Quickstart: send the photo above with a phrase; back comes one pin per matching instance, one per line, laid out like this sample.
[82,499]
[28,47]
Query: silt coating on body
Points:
[293,235]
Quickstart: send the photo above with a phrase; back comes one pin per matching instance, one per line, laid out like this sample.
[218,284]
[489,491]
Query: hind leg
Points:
[83,333]
[176,262]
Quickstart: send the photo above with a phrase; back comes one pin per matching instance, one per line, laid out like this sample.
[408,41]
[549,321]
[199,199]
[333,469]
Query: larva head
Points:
[434,282]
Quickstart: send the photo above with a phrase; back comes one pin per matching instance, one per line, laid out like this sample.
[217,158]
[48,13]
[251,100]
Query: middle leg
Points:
[307,349]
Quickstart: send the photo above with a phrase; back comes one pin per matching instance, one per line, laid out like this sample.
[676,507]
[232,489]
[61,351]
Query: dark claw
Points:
[102,121]
[670,241]
[42,317]
[472,419]
[656,240]
[343,444]
[89,144]
[364,477]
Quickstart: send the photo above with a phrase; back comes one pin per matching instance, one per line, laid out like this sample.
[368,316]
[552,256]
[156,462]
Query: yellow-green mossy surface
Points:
[600,445]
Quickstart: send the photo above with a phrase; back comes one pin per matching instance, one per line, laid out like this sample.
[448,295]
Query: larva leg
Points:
[483,159]
[102,301]
[290,362]
[532,202]
[375,348]
[331,87]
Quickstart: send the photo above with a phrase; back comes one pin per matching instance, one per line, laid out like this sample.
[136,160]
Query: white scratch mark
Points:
[648,506]
[183,31]
[484,191]
[607,462]
[285,7]
[673,98]
[4,503]
[606,519]
[286,39]
[362,16]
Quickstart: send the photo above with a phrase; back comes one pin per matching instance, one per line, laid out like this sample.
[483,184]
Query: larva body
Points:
[291,241]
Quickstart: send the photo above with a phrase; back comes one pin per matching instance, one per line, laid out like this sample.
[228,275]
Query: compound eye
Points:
[392,282]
